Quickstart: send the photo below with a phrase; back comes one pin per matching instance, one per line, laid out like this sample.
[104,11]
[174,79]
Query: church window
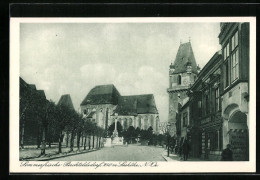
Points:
[179,79]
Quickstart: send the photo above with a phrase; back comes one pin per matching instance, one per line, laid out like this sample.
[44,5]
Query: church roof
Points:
[102,94]
[65,100]
[185,56]
[137,104]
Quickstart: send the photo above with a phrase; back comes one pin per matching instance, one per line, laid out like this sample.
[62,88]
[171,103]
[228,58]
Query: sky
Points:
[72,58]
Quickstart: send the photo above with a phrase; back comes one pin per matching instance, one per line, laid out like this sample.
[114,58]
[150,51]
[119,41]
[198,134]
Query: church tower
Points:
[182,74]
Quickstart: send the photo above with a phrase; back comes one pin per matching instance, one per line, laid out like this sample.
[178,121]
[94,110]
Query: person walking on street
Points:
[227,154]
[186,149]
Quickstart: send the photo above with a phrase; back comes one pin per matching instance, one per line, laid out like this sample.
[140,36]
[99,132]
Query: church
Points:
[103,104]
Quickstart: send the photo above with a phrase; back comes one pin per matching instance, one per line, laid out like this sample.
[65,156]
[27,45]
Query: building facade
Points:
[234,39]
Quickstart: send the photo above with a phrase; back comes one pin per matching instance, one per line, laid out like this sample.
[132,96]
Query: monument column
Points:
[115,133]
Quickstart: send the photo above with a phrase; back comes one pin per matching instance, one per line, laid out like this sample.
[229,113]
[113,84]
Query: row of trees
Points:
[50,122]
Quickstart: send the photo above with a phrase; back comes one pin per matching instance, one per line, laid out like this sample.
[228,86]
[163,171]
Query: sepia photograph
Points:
[151,93]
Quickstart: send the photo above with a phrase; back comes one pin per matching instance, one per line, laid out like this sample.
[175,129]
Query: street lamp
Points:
[168,139]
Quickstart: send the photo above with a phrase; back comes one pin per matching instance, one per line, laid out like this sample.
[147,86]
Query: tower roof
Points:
[102,94]
[185,57]
[65,100]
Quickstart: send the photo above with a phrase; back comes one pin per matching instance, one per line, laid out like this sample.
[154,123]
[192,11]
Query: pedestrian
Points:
[43,146]
[186,149]
[227,154]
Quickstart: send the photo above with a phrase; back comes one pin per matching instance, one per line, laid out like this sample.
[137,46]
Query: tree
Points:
[63,118]
[52,134]
[129,134]
[87,129]
[80,128]
[160,139]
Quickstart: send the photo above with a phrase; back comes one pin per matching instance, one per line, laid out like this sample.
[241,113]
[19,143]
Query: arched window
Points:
[146,122]
[139,122]
[157,123]
[130,122]
[125,123]
[179,79]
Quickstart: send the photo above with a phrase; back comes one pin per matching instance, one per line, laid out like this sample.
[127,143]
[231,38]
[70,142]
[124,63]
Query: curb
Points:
[67,155]
[166,158]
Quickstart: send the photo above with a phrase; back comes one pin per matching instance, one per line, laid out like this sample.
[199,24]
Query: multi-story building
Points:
[234,39]
[205,104]
[182,75]
[218,100]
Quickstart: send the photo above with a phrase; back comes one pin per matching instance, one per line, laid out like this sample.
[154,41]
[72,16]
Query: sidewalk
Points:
[175,157]
[50,153]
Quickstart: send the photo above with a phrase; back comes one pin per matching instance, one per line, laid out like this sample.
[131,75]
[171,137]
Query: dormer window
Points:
[179,79]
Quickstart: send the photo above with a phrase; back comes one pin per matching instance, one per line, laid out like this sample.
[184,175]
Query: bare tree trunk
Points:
[85,142]
[22,136]
[97,143]
[93,145]
[43,144]
[78,140]
[72,141]
[60,140]
[39,138]
[89,143]
[82,140]
[67,139]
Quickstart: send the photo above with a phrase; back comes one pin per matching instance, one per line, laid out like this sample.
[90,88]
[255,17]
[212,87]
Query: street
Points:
[120,153]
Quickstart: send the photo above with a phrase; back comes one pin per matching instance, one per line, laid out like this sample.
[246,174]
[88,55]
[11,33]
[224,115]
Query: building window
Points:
[179,79]
[234,41]
[85,111]
[226,72]
[217,99]
[231,58]
[185,119]
[234,65]
[226,51]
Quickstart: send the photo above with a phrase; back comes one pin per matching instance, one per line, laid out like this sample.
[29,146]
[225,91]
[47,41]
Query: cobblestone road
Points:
[120,153]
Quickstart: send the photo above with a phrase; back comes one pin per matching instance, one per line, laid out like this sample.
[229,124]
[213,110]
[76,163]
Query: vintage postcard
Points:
[132,95]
